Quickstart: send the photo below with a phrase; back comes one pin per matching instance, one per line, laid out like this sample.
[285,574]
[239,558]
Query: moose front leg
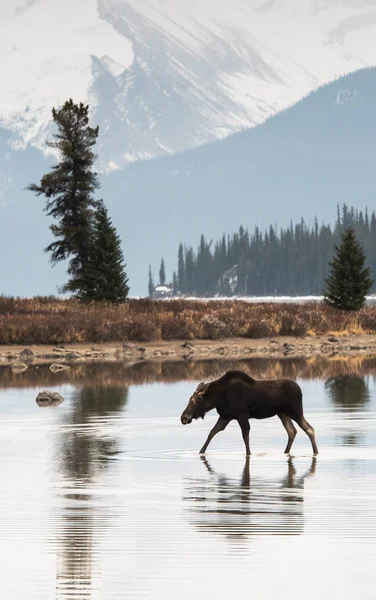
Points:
[220,425]
[245,427]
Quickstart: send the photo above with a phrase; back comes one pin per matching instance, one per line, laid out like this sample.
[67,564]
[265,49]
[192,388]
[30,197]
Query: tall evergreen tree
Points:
[181,270]
[190,286]
[150,283]
[162,273]
[69,189]
[349,280]
[175,286]
[103,275]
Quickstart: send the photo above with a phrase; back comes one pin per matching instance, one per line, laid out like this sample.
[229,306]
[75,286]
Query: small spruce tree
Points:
[162,273]
[151,283]
[69,189]
[349,280]
[103,273]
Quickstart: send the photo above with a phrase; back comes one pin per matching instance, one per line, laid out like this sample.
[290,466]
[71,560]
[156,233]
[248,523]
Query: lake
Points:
[106,497]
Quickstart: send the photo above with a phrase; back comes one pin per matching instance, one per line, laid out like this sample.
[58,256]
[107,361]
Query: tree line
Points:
[286,261]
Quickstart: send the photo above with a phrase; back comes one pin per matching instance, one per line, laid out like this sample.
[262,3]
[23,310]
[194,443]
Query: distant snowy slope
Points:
[166,75]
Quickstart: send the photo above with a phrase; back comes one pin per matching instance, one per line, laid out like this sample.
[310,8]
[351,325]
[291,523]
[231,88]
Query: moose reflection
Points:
[251,506]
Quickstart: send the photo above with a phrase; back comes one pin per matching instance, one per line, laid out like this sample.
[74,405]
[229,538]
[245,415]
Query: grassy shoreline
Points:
[53,321]
[46,331]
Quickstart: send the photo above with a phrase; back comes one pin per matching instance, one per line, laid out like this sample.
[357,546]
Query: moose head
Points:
[197,405]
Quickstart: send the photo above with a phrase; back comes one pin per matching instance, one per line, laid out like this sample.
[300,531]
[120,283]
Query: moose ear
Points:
[201,389]
[204,389]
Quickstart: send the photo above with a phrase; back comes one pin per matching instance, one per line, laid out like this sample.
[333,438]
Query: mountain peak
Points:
[213,68]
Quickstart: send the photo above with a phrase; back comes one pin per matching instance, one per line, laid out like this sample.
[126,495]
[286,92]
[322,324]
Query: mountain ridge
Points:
[301,162]
[144,66]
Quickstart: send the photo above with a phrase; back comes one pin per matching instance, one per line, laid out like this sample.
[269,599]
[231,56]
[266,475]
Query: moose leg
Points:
[245,427]
[246,475]
[308,429]
[291,431]
[220,425]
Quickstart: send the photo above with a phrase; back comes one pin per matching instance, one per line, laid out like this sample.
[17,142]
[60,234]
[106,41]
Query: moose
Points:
[237,396]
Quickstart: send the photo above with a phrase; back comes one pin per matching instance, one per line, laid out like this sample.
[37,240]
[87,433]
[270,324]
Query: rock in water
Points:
[55,367]
[46,398]
[18,366]
[27,356]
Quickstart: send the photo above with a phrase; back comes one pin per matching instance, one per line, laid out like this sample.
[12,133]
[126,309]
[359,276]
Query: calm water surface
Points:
[105,496]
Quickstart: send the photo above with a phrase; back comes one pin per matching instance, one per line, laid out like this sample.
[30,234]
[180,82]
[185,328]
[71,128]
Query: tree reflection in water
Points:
[83,457]
[251,506]
[349,393]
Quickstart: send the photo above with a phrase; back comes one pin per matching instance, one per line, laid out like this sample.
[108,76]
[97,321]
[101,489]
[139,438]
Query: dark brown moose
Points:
[237,396]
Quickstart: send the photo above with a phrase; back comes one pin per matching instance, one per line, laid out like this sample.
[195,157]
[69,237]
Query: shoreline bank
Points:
[21,356]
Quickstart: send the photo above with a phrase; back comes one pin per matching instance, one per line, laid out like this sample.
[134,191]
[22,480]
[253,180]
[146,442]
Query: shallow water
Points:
[105,496]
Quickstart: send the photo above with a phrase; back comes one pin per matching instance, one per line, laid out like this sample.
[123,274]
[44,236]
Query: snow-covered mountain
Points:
[166,75]
[173,77]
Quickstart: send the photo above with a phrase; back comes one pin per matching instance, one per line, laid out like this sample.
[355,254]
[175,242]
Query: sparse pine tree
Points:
[162,273]
[349,280]
[103,274]
[69,189]
[150,283]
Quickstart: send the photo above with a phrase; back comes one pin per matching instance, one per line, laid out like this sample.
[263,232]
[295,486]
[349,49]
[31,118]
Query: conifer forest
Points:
[284,261]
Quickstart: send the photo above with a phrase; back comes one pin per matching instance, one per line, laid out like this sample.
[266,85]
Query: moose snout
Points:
[185,420]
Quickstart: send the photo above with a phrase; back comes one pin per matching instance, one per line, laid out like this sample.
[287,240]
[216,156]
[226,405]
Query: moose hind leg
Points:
[245,427]
[308,429]
[291,431]
[220,425]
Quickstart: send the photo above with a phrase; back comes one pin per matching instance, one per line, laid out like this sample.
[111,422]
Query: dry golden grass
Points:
[343,333]
[52,321]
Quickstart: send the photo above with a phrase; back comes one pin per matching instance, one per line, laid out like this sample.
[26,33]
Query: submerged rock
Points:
[55,367]
[18,366]
[47,398]
[72,355]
